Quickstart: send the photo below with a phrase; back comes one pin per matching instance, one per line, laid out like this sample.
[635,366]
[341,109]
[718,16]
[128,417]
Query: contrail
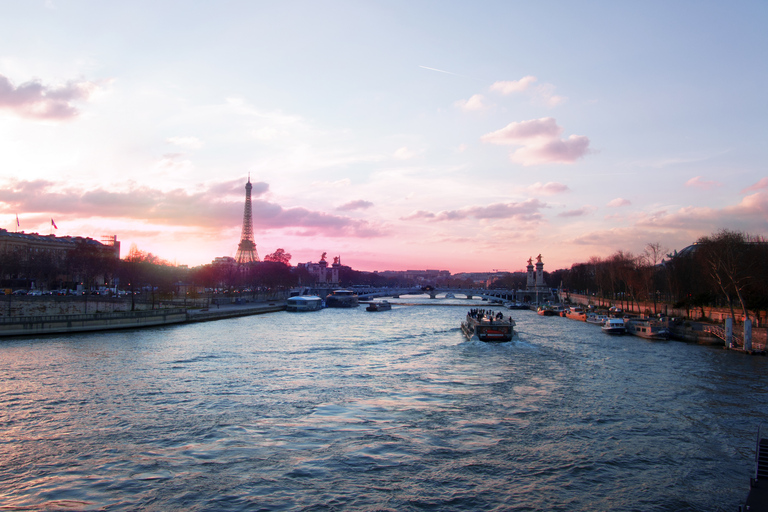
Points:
[441,71]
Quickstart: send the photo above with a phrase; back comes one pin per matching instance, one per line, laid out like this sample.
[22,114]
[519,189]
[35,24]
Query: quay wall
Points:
[66,316]
[56,324]
[16,306]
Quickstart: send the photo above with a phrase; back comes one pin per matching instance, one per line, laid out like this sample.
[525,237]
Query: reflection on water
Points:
[394,410]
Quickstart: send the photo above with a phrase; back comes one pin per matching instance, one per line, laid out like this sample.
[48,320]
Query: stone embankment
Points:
[104,315]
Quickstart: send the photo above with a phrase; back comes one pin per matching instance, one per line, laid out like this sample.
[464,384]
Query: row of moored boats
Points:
[647,328]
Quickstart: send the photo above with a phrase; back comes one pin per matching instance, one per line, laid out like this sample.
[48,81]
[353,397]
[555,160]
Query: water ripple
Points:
[347,410]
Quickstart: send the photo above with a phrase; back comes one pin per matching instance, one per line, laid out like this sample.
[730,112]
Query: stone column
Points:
[531,284]
[729,332]
[747,335]
[539,275]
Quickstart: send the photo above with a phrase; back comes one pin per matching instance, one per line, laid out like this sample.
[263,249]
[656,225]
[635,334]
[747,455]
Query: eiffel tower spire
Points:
[246,249]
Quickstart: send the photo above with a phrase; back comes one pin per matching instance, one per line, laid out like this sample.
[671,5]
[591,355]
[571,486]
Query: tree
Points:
[727,259]
[648,264]
[279,256]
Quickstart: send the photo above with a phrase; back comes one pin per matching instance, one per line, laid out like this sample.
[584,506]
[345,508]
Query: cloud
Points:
[697,182]
[525,132]
[540,142]
[763,183]
[36,101]
[524,211]
[555,151]
[237,188]
[187,142]
[548,189]
[360,204]
[754,205]
[217,206]
[474,103]
[749,215]
[542,94]
[405,153]
[584,210]
[545,95]
[513,86]
[618,202]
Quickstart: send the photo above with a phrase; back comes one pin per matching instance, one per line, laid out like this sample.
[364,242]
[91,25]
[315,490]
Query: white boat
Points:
[304,303]
[596,319]
[614,326]
[379,306]
[489,327]
[342,299]
[648,329]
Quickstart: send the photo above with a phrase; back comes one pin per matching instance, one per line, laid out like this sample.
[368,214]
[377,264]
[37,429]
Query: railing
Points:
[758,345]
[719,331]
[90,316]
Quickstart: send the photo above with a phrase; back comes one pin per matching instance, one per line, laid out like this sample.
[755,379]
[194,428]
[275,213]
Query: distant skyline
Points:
[397,135]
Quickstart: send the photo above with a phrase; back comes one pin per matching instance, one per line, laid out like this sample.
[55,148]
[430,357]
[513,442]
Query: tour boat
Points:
[592,318]
[379,306]
[492,328]
[614,326]
[648,329]
[341,299]
[304,303]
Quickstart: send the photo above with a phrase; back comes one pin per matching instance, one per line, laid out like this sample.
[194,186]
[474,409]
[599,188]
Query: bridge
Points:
[369,293]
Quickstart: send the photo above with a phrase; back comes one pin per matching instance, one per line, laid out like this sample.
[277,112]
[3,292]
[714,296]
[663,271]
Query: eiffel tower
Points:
[246,249]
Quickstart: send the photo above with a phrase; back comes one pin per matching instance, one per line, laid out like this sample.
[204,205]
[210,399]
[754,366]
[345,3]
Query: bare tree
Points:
[726,258]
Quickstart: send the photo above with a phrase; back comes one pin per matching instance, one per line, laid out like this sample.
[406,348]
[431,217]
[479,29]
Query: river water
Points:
[351,410]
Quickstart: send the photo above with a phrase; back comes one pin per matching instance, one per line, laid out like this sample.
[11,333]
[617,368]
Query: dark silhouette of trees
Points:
[279,256]
[87,262]
[733,261]
[726,268]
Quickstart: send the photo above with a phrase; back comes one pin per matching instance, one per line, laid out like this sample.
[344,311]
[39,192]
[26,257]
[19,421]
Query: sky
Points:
[460,136]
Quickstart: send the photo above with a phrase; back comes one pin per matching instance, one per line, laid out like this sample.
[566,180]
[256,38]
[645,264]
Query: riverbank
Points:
[107,321]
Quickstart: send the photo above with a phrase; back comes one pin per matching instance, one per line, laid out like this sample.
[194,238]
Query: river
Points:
[351,410]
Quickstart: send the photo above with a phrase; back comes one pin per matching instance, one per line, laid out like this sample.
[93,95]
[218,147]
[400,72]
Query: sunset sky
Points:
[465,136]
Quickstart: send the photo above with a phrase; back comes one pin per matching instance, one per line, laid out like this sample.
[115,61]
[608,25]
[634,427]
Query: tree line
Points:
[88,268]
[725,269]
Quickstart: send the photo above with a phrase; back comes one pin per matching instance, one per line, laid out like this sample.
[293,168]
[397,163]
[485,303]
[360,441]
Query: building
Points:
[24,245]
[31,259]
[321,272]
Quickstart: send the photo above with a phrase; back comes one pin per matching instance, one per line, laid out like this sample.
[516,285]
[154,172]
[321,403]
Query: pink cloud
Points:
[540,142]
[699,183]
[548,189]
[420,214]
[34,100]
[618,202]
[524,211]
[524,131]
[752,205]
[513,86]
[584,210]
[177,207]
[543,94]
[554,151]
[763,183]
[472,104]
[359,204]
